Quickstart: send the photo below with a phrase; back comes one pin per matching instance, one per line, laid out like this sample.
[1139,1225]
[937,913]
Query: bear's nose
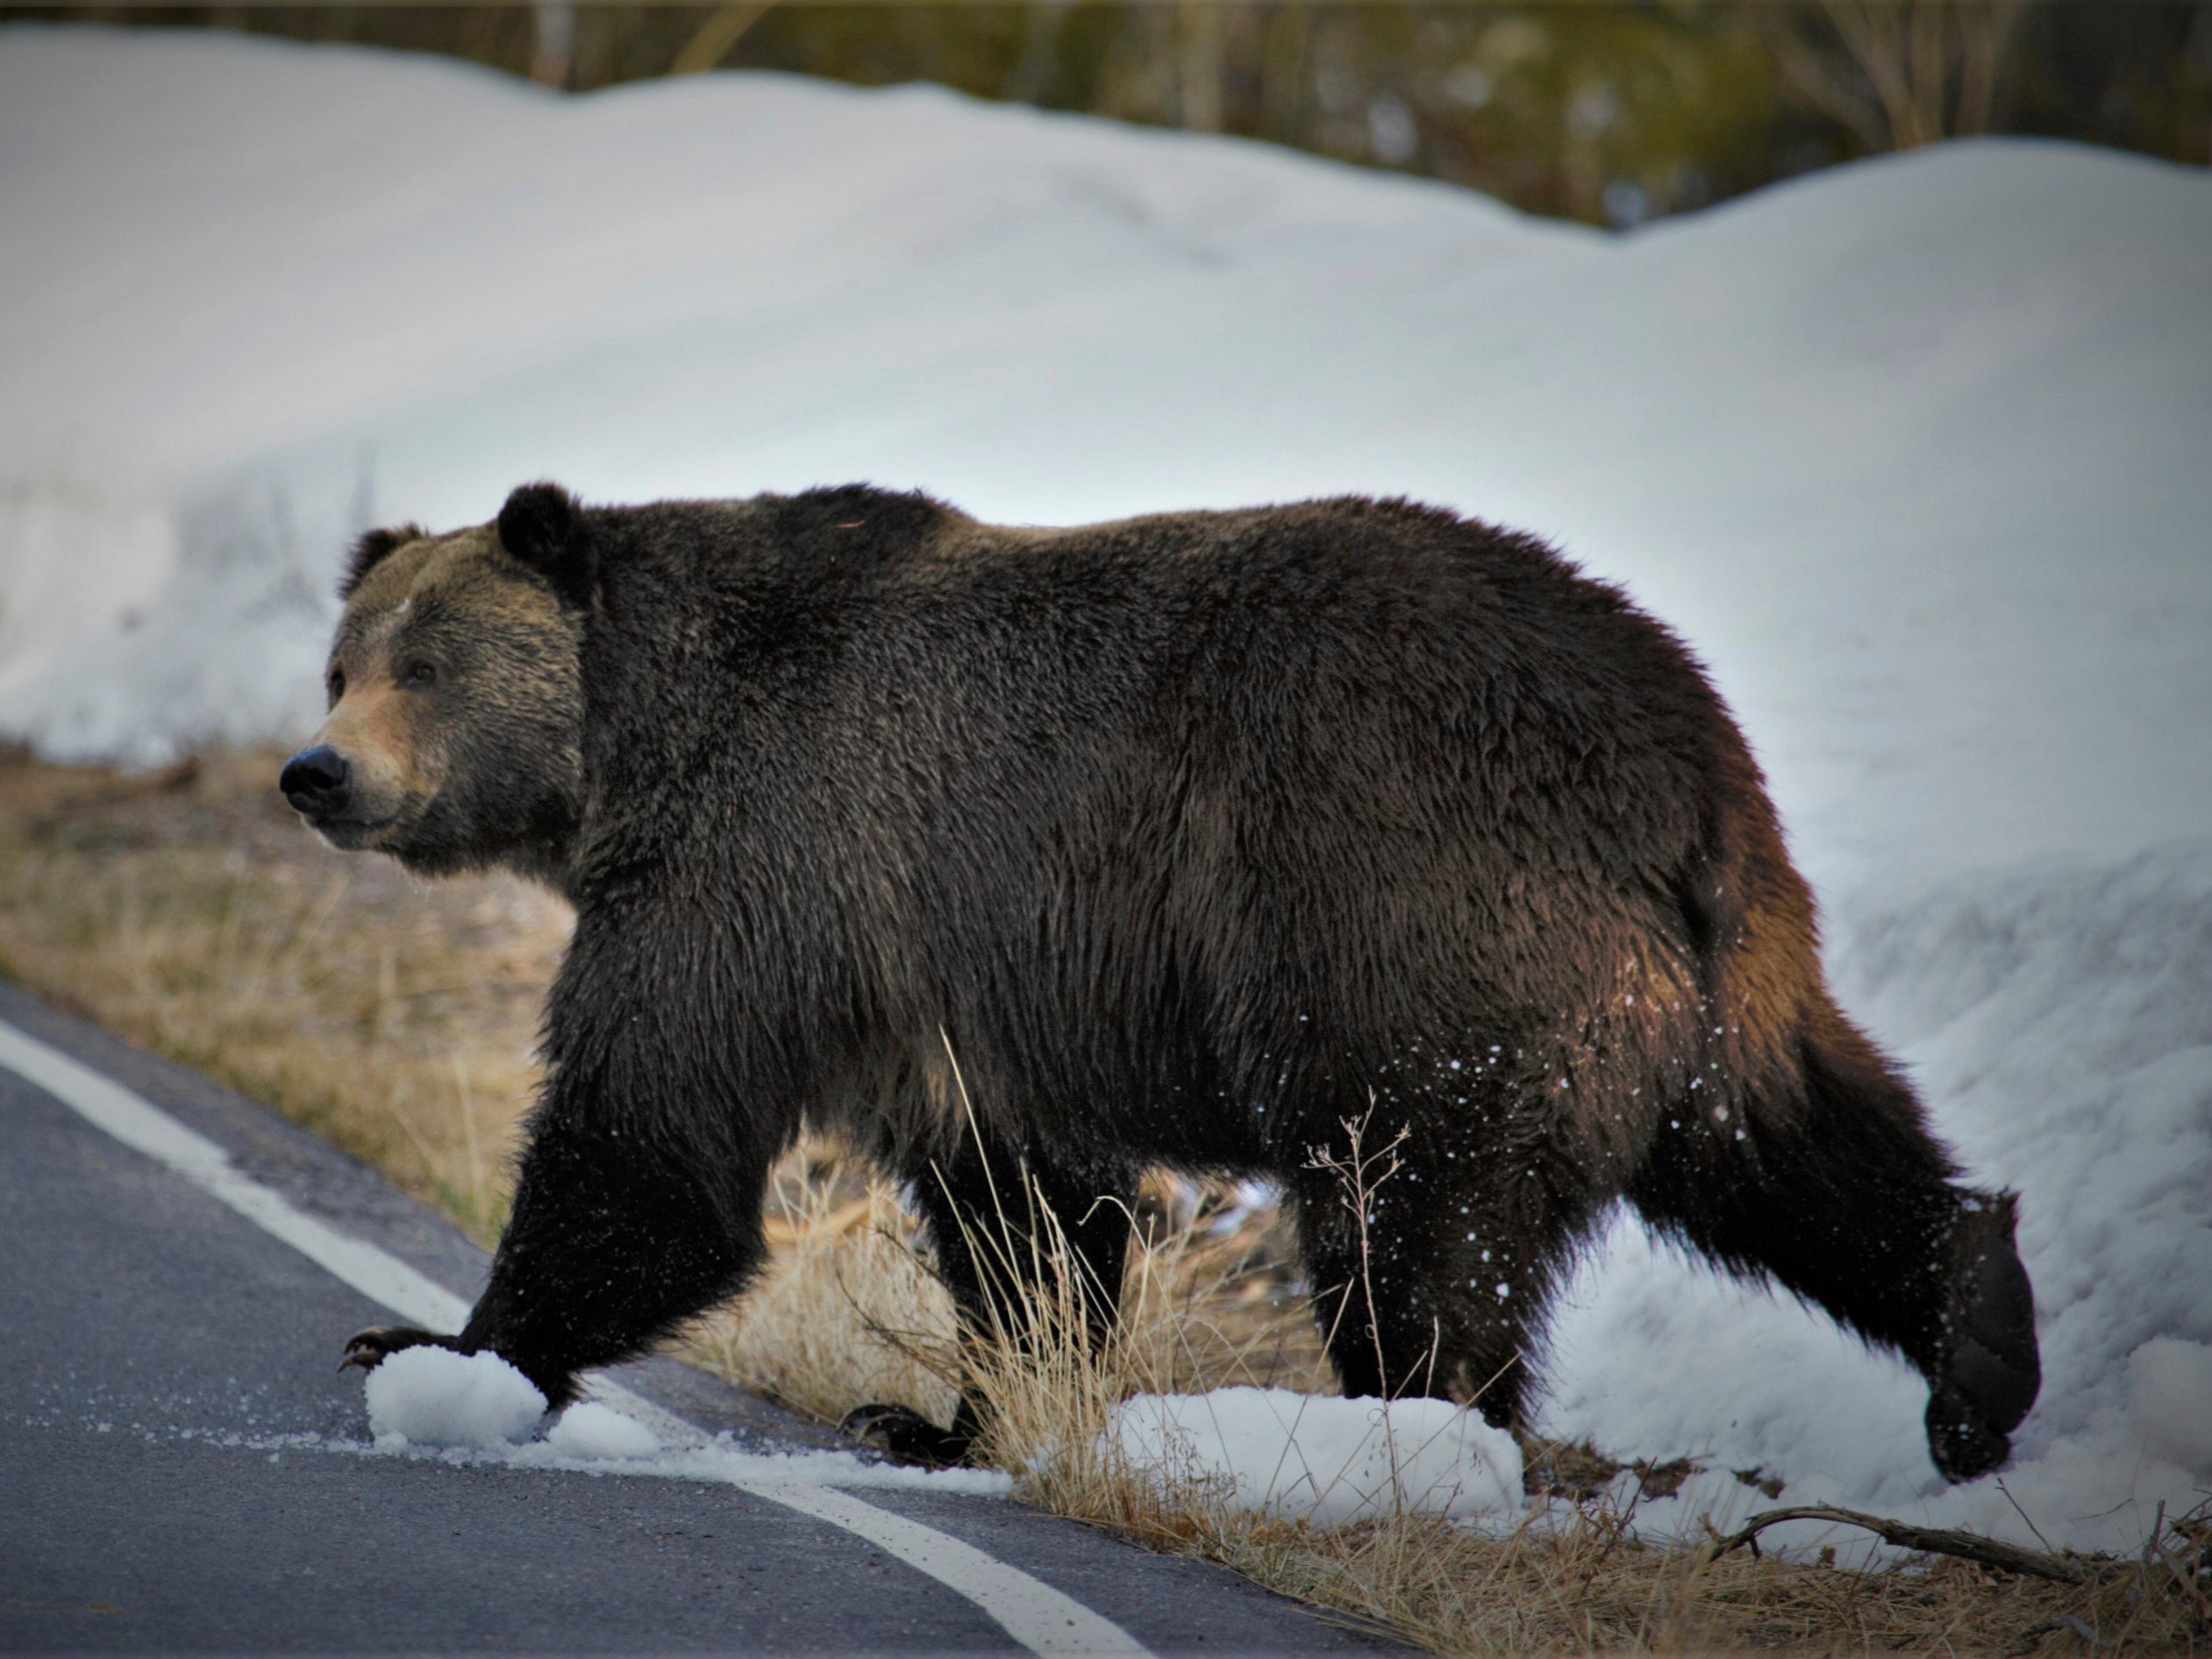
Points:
[317,782]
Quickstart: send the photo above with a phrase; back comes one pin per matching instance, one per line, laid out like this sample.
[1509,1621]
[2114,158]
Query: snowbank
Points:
[1268,1450]
[1330,1461]
[432,1396]
[1914,452]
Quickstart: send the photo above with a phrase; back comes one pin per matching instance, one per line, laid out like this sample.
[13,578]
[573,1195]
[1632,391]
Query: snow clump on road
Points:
[596,1432]
[432,1395]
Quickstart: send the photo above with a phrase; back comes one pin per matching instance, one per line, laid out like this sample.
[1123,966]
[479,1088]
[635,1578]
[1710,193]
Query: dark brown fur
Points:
[1199,838]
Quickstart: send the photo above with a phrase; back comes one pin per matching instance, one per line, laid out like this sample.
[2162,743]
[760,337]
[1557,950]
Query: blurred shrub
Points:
[1602,110]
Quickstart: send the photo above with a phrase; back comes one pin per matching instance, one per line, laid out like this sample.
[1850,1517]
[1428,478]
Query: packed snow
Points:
[1321,1460]
[434,1396]
[1266,1450]
[596,1432]
[1270,1451]
[606,1449]
[1913,452]
[476,1407]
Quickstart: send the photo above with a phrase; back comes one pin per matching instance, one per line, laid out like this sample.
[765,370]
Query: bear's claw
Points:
[901,1433]
[372,1348]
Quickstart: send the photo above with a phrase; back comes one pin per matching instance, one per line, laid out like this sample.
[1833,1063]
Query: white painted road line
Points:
[144,1127]
[1033,1613]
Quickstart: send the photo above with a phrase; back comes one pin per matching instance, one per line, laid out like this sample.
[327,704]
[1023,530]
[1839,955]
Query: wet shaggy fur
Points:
[1195,840]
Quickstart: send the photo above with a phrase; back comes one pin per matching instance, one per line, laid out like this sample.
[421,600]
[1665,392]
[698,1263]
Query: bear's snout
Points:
[318,781]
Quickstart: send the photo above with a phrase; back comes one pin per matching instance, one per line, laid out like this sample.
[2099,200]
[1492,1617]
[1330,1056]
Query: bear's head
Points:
[454,730]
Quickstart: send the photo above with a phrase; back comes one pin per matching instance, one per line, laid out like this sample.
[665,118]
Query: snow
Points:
[1269,1450]
[1913,452]
[1325,1461]
[594,1432]
[2057,1015]
[478,1408]
[723,1459]
[2170,1400]
[434,1397]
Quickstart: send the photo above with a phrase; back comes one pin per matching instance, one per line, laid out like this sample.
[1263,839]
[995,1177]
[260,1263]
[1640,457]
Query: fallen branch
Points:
[1936,1540]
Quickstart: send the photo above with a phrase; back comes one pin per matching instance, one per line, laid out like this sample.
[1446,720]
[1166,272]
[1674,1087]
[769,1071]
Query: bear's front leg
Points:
[638,1205]
[622,1230]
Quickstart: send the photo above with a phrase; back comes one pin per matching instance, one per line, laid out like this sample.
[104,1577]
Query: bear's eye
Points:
[419,674]
[337,683]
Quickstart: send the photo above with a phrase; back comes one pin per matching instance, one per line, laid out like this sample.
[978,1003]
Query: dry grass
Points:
[187,912]
[847,1313]
[1588,1588]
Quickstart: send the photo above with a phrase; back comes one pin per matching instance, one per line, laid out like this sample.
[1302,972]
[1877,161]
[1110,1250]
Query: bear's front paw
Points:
[902,1432]
[372,1348]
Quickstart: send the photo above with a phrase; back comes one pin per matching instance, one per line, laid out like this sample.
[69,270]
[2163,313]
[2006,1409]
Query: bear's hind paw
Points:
[901,1433]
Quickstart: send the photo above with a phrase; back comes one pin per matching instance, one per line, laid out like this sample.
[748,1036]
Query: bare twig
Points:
[1939,1540]
[2024,1516]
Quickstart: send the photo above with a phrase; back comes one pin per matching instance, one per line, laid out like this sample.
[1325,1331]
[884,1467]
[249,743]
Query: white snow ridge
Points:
[1913,452]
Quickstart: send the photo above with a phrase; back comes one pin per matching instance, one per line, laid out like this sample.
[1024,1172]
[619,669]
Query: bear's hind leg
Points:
[637,1203]
[1442,1285]
[995,1252]
[1834,1186]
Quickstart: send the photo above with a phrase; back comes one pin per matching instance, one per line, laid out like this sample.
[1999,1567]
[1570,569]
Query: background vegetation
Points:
[1607,110]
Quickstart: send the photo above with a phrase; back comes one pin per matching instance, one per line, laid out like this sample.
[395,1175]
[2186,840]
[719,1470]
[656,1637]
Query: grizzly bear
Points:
[1203,840]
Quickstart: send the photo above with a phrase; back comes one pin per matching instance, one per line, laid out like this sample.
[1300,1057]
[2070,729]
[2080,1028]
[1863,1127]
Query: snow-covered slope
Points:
[1915,452]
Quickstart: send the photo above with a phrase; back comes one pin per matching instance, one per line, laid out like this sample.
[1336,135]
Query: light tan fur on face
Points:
[381,728]
[479,761]
[374,725]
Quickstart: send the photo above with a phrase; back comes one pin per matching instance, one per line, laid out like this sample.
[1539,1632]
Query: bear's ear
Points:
[542,525]
[370,551]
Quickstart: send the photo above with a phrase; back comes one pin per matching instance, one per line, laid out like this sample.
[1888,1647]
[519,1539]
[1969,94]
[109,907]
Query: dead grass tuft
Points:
[188,912]
[848,1313]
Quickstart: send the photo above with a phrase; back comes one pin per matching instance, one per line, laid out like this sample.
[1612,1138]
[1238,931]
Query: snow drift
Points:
[1913,452]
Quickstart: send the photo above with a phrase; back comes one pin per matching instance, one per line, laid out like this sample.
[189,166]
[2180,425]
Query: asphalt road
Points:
[182,1466]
